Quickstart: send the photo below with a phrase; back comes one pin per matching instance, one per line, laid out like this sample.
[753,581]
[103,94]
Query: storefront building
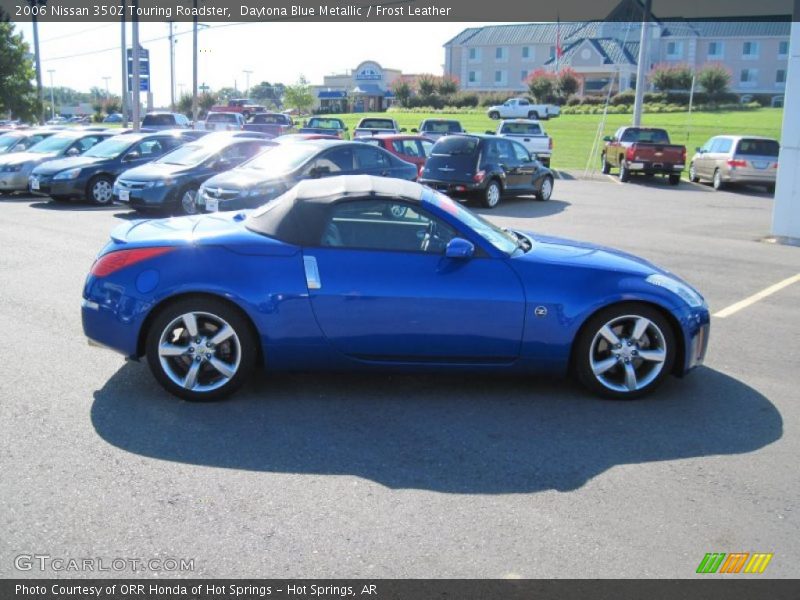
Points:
[367,88]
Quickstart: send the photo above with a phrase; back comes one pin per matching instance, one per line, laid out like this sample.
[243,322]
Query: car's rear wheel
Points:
[533,115]
[624,172]
[625,351]
[693,174]
[188,201]
[494,115]
[716,181]
[546,190]
[605,167]
[491,196]
[674,178]
[100,190]
[200,349]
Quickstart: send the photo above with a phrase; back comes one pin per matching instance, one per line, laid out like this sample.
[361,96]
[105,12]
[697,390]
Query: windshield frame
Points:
[91,152]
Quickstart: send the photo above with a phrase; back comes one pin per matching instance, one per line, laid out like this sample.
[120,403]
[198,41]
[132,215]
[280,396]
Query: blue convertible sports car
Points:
[357,272]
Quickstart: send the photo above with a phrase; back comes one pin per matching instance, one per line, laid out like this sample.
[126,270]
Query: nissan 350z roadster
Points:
[358,272]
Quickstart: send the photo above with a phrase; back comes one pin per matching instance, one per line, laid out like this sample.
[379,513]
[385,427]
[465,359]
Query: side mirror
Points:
[459,248]
[134,155]
[699,150]
[608,138]
[73,152]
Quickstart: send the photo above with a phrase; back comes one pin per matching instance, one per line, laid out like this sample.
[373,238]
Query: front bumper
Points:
[696,326]
[14,182]
[153,197]
[59,187]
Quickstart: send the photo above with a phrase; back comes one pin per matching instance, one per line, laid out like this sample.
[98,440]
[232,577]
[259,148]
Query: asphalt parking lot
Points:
[411,476]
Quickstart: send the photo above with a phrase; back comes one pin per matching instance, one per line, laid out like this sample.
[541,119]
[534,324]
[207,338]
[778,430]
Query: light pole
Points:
[171,66]
[124,48]
[106,78]
[246,81]
[52,95]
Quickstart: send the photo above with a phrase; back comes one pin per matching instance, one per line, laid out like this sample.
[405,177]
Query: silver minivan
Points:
[728,159]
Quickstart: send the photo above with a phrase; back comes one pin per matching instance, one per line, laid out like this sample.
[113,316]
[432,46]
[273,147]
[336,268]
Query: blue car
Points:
[361,272]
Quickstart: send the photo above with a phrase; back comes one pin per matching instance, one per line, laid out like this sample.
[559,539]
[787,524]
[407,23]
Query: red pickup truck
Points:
[645,150]
[243,106]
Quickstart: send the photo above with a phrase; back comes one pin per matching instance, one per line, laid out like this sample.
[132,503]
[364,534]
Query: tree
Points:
[113,105]
[268,94]
[671,77]
[426,85]
[18,96]
[299,96]
[204,102]
[226,93]
[185,105]
[402,91]
[541,84]
[567,82]
[447,85]
[714,79]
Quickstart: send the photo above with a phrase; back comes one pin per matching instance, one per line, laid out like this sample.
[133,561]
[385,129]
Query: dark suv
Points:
[486,167]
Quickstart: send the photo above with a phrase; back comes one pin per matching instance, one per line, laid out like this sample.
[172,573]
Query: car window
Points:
[455,146]
[647,136]
[524,103]
[147,148]
[377,124]
[158,120]
[521,154]
[84,144]
[325,123]
[337,160]
[707,146]
[504,151]
[752,147]
[408,148]
[370,158]
[521,128]
[441,127]
[372,142]
[386,225]
[223,118]
[240,152]
[427,147]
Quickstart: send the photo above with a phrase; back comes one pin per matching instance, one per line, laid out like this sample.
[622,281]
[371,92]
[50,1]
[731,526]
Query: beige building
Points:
[367,88]
[605,53]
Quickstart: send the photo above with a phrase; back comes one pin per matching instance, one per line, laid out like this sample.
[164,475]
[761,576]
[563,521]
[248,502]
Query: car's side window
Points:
[387,225]
[426,147]
[149,148]
[407,147]
[505,151]
[522,155]
[724,145]
[84,144]
[337,160]
[370,158]
[707,146]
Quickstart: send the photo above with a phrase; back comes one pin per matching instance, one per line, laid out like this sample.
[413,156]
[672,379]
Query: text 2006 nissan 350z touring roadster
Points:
[359,272]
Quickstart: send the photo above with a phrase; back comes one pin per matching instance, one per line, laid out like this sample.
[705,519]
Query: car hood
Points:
[23,157]
[217,229]
[562,251]
[62,164]
[154,172]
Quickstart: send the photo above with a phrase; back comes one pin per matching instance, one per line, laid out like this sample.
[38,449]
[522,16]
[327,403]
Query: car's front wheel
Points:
[693,174]
[716,181]
[100,190]
[188,201]
[605,167]
[546,190]
[201,349]
[491,196]
[624,172]
[625,351]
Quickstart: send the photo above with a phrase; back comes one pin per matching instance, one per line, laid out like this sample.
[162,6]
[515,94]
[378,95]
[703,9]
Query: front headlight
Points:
[13,168]
[70,174]
[266,190]
[678,288]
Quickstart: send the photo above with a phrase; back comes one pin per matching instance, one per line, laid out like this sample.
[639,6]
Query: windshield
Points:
[158,120]
[455,146]
[109,149]
[758,147]
[521,128]
[221,118]
[326,123]
[188,155]
[441,126]
[376,124]
[503,240]
[281,159]
[52,144]
[6,141]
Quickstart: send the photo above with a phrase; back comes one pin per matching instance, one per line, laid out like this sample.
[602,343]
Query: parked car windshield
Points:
[758,147]
[281,159]
[376,124]
[110,148]
[455,146]
[318,123]
[54,143]
[521,128]
[647,136]
[503,240]
[158,120]
[188,155]
[6,141]
[441,126]
[221,118]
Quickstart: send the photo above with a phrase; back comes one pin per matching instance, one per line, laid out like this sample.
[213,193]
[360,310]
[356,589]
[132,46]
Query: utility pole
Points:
[171,67]
[641,67]
[52,95]
[247,81]
[136,66]
[194,65]
[34,4]
[124,48]
[106,78]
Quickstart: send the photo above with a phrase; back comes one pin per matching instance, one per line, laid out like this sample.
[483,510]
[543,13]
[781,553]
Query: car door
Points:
[720,153]
[372,161]
[701,159]
[527,167]
[381,289]
[508,161]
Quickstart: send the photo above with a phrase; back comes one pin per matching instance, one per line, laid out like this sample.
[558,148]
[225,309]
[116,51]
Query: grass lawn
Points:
[573,135]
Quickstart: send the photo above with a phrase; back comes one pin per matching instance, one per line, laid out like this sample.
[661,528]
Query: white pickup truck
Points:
[530,134]
[369,126]
[521,108]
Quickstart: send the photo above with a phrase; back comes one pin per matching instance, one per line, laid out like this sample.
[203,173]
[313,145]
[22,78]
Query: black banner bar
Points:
[396,10]
[712,588]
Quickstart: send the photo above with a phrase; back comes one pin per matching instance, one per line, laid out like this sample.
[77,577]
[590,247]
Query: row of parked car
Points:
[189,171]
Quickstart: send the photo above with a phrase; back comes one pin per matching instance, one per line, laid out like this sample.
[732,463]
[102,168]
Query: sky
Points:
[81,54]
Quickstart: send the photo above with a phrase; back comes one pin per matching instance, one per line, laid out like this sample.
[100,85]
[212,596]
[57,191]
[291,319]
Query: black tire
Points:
[241,348]
[494,115]
[533,115]
[589,347]
[492,194]
[605,168]
[716,181]
[98,191]
[624,172]
[182,207]
[693,174]
[545,189]
[674,178]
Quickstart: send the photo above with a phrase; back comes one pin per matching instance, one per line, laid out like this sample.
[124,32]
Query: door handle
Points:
[312,273]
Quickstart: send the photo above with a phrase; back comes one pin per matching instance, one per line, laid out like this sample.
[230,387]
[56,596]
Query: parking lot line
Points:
[614,179]
[737,306]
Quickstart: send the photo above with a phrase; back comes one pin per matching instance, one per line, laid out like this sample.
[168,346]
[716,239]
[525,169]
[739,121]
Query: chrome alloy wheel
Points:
[102,191]
[627,353]
[188,202]
[547,189]
[199,351]
[492,194]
